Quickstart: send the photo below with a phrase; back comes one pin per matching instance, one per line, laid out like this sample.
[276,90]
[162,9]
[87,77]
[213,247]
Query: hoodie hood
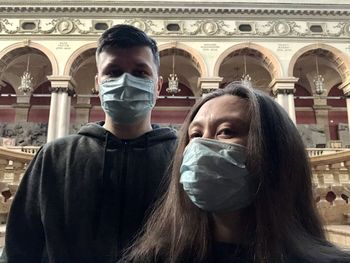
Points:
[158,134]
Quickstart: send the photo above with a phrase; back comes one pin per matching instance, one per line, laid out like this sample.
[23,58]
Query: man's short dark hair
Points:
[126,36]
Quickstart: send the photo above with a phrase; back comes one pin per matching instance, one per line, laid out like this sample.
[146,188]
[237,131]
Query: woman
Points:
[240,189]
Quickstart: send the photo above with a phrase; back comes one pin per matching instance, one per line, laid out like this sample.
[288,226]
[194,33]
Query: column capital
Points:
[345,86]
[283,85]
[209,84]
[62,83]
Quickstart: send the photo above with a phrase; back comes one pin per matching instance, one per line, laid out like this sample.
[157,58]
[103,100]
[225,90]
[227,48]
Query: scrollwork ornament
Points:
[52,23]
[77,23]
[222,27]
[3,27]
[197,28]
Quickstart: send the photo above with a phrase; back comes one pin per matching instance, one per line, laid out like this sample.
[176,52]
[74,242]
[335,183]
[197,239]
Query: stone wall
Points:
[24,133]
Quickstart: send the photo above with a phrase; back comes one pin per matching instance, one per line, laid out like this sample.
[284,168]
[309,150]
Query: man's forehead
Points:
[128,50]
[136,55]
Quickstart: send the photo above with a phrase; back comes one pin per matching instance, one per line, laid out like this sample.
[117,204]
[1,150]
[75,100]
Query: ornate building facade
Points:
[297,52]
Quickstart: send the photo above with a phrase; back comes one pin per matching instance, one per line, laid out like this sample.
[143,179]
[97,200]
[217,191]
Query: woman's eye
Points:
[195,135]
[225,132]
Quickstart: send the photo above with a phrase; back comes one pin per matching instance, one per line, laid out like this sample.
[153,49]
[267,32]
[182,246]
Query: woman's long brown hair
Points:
[281,221]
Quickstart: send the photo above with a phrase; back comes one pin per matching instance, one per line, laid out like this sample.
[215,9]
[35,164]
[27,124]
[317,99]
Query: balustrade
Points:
[330,168]
[13,163]
[331,178]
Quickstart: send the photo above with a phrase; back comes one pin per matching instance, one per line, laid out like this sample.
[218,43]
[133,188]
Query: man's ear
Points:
[97,84]
[159,85]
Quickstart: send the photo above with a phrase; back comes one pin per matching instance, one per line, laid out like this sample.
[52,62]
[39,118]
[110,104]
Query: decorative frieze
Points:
[169,8]
[185,28]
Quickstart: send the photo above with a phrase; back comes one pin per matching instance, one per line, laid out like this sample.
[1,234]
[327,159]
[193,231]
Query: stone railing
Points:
[25,149]
[323,151]
[12,166]
[331,178]
[330,167]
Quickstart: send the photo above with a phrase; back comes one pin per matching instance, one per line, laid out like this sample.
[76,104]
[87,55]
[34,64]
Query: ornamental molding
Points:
[174,27]
[172,8]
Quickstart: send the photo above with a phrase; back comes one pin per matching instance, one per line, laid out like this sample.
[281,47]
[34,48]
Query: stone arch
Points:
[269,58]
[71,60]
[341,61]
[196,57]
[44,50]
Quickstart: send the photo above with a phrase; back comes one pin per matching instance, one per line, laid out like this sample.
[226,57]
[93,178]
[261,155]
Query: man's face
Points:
[137,61]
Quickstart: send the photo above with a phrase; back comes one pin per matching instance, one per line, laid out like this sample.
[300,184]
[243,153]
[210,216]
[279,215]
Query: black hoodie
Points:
[84,197]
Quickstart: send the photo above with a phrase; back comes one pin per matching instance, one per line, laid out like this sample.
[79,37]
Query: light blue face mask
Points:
[214,175]
[127,99]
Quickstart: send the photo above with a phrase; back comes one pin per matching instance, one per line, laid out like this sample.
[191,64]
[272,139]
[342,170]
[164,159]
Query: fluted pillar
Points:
[51,133]
[283,89]
[62,90]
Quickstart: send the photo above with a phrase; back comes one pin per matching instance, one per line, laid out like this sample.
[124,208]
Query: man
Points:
[85,196]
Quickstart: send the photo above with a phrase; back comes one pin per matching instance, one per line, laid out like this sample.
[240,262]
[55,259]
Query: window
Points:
[316,29]
[28,26]
[101,26]
[245,28]
[173,27]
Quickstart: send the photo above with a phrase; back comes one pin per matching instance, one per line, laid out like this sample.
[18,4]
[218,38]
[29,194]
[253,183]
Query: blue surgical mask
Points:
[127,99]
[215,177]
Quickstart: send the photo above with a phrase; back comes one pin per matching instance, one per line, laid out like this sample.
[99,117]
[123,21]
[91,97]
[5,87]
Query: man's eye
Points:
[114,73]
[141,74]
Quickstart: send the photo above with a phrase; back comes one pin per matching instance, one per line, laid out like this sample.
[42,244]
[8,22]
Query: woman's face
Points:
[224,118]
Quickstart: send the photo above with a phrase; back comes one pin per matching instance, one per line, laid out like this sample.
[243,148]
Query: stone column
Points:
[208,84]
[321,113]
[63,108]
[51,134]
[82,110]
[22,107]
[283,88]
[63,89]
[346,89]
[348,109]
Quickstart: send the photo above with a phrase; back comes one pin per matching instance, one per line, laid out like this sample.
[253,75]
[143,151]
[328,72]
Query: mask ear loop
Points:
[258,188]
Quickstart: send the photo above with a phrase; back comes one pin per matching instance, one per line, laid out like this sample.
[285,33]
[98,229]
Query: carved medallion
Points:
[282,28]
[347,29]
[210,27]
[65,26]
[139,24]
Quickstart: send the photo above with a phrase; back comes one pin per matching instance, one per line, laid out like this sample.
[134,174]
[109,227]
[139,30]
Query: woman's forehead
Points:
[224,105]
[221,109]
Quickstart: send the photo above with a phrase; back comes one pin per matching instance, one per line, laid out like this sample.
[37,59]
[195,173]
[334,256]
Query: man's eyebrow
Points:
[111,65]
[142,65]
